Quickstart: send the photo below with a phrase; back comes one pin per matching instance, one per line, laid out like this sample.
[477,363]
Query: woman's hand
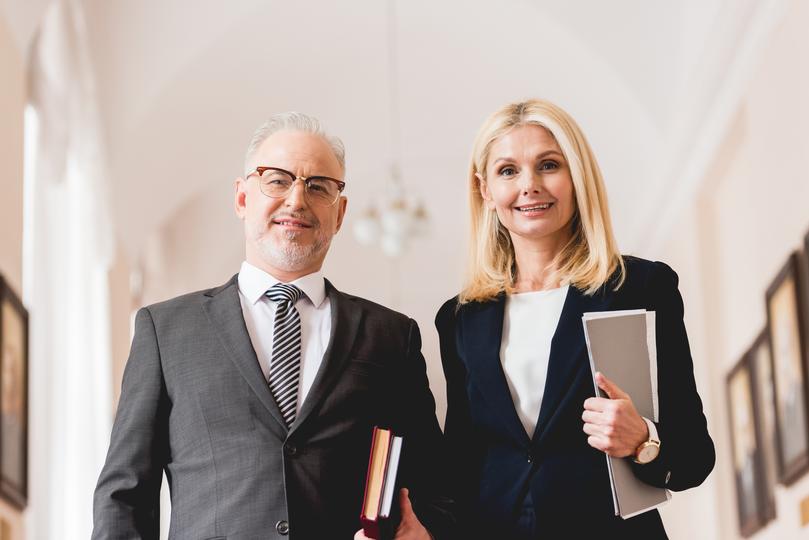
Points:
[410,528]
[613,425]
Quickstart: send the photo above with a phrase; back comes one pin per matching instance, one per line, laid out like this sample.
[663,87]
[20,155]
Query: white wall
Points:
[12,103]
[752,213]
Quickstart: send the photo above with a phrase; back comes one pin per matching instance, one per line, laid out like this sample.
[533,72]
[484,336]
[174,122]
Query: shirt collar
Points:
[254,282]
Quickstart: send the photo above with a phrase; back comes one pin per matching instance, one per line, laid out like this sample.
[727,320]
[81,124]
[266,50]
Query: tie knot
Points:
[284,293]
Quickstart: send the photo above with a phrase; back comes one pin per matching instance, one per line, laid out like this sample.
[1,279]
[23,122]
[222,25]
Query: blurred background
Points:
[124,123]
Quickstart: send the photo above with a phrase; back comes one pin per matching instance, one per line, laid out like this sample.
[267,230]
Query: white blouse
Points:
[529,324]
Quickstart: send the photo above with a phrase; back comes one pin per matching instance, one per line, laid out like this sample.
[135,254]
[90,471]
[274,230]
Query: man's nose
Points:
[296,198]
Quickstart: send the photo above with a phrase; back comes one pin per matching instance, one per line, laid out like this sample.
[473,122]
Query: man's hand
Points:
[410,528]
[613,425]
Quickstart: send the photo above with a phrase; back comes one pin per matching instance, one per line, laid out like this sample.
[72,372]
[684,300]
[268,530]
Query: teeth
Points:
[544,206]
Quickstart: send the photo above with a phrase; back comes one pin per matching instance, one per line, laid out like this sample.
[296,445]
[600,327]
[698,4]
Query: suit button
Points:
[282,527]
[290,449]
[530,458]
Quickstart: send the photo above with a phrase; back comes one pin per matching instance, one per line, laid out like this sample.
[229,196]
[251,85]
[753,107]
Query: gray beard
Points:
[291,256]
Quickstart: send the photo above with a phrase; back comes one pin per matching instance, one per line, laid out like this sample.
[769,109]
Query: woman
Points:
[525,430]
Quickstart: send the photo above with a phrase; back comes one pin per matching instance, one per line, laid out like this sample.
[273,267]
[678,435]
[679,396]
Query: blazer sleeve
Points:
[424,472]
[126,499]
[458,426]
[687,452]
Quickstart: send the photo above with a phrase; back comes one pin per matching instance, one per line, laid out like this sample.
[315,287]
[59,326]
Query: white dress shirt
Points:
[529,324]
[314,308]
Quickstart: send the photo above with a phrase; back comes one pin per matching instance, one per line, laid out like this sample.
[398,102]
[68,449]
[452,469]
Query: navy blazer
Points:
[496,464]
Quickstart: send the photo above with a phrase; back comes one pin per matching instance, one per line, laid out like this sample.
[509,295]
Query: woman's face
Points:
[528,184]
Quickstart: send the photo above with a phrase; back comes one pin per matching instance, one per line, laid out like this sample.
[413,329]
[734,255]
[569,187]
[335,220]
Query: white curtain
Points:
[68,249]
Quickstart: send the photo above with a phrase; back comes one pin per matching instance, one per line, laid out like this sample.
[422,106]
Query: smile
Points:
[535,207]
[291,223]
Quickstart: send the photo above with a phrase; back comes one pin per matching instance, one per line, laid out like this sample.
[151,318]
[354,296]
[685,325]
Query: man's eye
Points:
[317,186]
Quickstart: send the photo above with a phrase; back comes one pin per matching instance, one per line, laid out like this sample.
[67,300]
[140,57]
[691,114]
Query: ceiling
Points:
[182,85]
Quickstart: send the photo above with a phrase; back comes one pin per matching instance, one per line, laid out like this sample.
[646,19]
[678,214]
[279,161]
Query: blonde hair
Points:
[589,259]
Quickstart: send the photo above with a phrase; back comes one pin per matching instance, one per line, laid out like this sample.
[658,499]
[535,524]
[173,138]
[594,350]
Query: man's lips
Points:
[293,223]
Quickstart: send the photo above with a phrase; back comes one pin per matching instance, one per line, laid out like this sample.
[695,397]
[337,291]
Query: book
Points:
[622,346]
[379,505]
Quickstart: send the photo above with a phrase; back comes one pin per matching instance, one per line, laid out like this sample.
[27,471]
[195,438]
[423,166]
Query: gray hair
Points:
[294,121]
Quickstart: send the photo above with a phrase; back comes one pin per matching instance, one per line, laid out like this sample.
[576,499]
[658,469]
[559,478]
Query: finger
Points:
[596,404]
[599,443]
[404,504]
[360,535]
[593,417]
[612,389]
[598,431]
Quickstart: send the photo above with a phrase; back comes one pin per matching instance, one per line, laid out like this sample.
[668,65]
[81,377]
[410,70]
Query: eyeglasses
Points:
[278,183]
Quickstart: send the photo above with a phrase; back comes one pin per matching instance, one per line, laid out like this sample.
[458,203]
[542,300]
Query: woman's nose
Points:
[530,182]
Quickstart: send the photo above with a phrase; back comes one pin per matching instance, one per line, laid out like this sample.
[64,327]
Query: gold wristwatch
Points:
[649,449]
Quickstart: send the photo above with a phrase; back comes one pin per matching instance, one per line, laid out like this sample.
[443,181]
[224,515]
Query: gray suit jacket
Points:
[195,404]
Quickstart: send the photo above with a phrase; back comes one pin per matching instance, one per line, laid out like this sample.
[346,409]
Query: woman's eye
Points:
[548,165]
[508,171]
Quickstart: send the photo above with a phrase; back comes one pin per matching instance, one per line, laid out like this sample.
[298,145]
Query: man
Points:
[258,398]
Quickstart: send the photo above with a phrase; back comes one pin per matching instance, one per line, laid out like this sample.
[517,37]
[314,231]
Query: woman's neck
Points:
[536,268]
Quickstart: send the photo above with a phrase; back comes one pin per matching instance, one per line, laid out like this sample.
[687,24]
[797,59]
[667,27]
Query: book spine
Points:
[371,528]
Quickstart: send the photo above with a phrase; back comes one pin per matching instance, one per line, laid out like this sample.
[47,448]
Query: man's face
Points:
[289,236]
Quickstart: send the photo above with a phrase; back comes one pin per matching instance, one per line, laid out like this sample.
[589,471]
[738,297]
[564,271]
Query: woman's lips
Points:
[534,209]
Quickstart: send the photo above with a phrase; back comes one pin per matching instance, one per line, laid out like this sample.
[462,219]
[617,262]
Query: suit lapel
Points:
[565,365]
[224,310]
[482,333]
[345,322]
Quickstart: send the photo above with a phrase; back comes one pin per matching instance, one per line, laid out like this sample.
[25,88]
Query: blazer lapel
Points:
[482,333]
[565,365]
[224,310]
[345,322]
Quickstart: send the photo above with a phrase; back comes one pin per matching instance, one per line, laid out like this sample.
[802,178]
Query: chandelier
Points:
[395,218]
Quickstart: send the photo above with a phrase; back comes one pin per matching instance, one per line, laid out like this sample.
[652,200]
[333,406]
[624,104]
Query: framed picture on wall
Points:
[760,362]
[13,397]
[788,346]
[747,462]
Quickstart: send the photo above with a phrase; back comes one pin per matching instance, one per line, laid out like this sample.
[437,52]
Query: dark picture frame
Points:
[759,359]
[746,448]
[787,339]
[13,397]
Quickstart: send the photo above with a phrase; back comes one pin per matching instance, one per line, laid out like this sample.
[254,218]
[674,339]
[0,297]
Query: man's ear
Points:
[240,197]
[341,212]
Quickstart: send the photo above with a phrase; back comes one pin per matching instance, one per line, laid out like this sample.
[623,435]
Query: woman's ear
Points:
[483,186]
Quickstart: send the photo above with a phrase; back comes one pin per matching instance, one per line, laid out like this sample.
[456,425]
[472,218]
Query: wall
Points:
[752,213]
[12,103]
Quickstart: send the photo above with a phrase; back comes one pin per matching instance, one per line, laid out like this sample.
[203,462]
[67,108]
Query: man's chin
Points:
[291,256]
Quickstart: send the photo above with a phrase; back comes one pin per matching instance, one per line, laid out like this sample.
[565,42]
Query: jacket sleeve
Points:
[126,499]
[458,427]
[425,469]
[687,452]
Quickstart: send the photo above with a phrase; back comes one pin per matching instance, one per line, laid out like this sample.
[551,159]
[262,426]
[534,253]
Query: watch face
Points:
[648,453]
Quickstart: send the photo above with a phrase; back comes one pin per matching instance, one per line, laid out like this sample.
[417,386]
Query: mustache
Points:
[304,216]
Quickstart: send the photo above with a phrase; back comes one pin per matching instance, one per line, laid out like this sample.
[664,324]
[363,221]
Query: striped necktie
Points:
[285,361]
